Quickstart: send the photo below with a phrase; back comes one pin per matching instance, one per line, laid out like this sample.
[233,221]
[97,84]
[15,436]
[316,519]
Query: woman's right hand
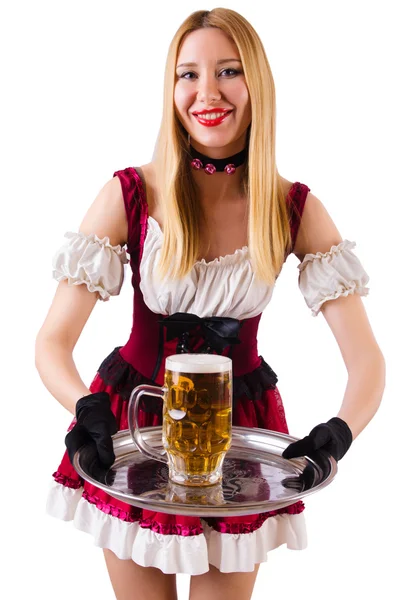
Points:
[95,424]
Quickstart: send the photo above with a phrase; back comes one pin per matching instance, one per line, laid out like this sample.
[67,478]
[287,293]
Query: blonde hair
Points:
[269,238]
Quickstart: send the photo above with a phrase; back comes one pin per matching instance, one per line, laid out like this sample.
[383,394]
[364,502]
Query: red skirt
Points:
[177,543]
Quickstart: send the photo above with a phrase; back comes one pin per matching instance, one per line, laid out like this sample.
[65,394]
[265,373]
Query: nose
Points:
[208,89]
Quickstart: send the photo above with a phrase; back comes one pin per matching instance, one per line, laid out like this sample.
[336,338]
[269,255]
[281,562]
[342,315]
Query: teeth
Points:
[211,116]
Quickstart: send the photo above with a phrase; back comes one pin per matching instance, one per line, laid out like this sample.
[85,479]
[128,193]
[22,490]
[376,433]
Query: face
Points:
[215,83]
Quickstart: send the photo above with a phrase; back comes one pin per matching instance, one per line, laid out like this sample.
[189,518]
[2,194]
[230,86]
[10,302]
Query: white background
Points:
[83,98]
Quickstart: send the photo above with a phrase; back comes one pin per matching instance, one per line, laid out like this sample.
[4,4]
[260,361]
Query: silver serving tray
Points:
[256,478]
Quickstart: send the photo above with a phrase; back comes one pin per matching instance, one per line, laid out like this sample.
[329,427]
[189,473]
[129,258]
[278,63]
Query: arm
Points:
[348,321]
[73,304]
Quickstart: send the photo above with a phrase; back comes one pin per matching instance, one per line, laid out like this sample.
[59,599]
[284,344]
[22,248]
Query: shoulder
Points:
[128,182]
[317,231]
[294,194]
[106,215]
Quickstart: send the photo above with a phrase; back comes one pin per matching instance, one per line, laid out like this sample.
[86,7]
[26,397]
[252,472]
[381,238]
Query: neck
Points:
[219,187]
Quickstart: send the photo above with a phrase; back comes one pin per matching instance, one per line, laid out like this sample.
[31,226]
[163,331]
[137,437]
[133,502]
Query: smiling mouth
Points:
[214,114]
[212,119]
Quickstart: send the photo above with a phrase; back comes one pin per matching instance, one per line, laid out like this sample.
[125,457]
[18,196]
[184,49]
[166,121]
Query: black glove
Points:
[310,475]
[334,436]
[94,427]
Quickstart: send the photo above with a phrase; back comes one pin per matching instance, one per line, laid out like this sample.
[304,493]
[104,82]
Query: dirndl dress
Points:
[224,287]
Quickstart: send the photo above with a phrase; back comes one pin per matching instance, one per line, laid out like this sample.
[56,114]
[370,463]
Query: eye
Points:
[183,76]
[232,72]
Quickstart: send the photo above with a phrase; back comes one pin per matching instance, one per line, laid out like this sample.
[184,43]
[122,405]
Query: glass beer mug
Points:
[197,417]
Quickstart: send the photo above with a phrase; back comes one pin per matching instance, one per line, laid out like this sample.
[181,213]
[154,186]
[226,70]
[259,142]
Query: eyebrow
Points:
[218,62]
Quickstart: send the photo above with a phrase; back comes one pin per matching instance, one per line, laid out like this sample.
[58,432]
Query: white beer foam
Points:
[198,363]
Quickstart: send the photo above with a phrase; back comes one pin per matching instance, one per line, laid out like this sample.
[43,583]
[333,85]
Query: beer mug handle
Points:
[133,407]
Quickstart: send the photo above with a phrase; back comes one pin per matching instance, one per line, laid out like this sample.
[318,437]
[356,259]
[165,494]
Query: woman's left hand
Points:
[334,436]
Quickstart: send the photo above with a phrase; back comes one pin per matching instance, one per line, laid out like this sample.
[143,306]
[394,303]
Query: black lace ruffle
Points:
[252,385]
[123,378]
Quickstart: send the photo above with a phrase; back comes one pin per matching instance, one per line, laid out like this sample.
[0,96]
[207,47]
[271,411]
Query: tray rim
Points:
[123,438]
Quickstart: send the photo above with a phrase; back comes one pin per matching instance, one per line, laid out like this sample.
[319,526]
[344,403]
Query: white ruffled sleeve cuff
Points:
[327,275]
[91,261]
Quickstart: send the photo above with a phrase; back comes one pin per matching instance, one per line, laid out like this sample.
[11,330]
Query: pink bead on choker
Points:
[227,165]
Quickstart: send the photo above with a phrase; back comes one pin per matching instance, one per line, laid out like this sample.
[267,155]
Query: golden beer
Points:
[197,417]
[197,422]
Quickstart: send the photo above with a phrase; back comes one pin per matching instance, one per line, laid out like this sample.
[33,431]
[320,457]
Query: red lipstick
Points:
[205,111]
[212,122]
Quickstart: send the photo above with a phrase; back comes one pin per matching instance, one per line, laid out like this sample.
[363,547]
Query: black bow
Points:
[218,332]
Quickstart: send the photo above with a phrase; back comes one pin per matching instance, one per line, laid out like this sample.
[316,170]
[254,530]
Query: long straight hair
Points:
[269,238]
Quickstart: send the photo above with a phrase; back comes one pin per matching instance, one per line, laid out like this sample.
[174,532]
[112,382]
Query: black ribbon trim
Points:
[218,332]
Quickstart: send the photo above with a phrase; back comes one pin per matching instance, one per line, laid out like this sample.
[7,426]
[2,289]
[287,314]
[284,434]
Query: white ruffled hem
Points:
[191,555]
[334,250]
[353,289]
[103,242]
[102,293]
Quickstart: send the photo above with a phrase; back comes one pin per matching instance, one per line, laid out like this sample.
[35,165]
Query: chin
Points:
[217,140]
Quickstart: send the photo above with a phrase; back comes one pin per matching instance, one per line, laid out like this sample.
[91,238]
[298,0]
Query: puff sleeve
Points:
[327,275]
[91,261]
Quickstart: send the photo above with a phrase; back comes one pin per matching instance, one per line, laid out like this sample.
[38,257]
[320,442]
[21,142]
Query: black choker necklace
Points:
[212,165]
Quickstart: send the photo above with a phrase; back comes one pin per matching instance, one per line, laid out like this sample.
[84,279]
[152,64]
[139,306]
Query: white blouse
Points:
[225,286]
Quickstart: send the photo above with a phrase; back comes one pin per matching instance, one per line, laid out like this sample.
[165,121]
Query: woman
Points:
[208,225]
